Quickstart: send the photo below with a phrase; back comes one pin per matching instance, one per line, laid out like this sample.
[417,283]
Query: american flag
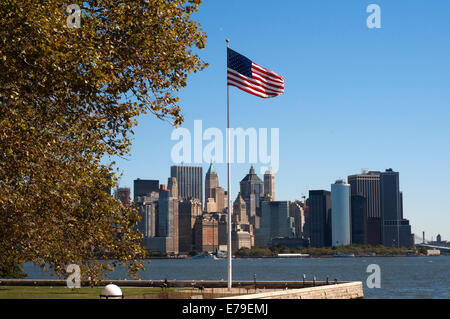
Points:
[252,78]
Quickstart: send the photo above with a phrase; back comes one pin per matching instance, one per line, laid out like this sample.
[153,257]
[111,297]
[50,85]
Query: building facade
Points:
[269,184]
[241,239]
[359,219]
[144,187]
[188,212]
[252,192]
[276,222]
[367,185]
[395,231]
[211,181]
[172,187]
[168,220]
[297,212]
[189,180]
[214,195]
[206,232]
[320,218]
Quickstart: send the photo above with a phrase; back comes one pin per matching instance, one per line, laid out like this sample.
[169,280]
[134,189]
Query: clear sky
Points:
[354,97]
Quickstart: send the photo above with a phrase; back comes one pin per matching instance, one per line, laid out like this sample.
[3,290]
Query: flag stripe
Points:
[244,82]
[251,77]
[253,89]
[264,76]
[256,82]
[267,72]
[248,90]
[262,79]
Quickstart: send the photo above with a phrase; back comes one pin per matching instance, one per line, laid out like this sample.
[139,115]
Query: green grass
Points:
[30,292]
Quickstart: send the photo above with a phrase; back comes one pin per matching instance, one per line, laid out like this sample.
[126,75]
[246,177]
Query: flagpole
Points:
[229,252]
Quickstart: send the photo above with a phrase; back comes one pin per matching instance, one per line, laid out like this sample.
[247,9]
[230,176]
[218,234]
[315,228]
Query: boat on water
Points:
[339,254]
[205,256]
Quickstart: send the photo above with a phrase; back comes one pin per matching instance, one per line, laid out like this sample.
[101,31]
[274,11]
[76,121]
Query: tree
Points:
[69,98]
[11,271]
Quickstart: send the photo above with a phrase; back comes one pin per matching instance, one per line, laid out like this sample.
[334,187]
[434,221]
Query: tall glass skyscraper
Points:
[340,214]
[395,230]
[320,218]
[359,219]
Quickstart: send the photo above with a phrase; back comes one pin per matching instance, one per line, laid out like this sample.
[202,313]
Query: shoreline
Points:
[303,257]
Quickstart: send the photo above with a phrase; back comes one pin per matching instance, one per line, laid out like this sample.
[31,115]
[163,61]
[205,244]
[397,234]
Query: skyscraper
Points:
[211,181]
[340,214]
[206,232]
[218,194]
[396,231]
[252,192]
[320,218]
[297,212]
[168,220]
[359,219]
[172,187]
[148,225]
[160,222]
[214,195]
[240,211]
[148,209]
[144,187]
[190,181]
[269,184]
[145,191]
[367,185]
[188,212]
[241,224]
[276,222]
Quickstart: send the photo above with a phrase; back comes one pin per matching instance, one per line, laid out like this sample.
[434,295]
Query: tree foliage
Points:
[69,97]
[11,271]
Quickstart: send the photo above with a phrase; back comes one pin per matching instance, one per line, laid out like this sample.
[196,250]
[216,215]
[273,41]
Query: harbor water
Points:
[400,277]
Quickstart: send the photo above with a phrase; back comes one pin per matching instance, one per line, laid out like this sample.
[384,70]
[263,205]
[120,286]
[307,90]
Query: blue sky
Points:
[354,97]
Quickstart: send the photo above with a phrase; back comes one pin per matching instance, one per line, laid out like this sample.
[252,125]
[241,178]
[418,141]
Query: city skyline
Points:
[429,237]
[354,191]
[355,99]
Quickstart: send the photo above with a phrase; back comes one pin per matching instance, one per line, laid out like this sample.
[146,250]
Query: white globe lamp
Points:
[111,291]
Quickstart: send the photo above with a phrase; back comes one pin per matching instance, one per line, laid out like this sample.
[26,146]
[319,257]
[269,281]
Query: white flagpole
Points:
[229,252]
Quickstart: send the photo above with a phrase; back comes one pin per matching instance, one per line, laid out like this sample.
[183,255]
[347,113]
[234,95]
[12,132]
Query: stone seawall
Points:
[351,290]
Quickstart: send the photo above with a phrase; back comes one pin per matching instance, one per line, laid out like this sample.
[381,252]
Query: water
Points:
[401,277]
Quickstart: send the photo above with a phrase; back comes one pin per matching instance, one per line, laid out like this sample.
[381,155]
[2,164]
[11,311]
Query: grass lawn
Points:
[30,292]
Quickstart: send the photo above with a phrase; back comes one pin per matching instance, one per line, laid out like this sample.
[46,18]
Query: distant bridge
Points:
[443,249]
